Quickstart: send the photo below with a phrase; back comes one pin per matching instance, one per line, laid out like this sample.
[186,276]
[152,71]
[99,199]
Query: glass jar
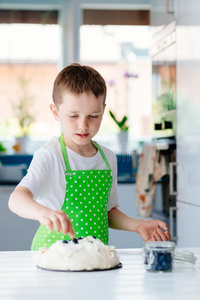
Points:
[159,256]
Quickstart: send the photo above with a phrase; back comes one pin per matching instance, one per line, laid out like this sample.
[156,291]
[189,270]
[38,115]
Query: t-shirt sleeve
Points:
[113,200]
[38,177]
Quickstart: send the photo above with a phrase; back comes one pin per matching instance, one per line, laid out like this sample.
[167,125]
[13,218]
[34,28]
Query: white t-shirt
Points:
[46,174]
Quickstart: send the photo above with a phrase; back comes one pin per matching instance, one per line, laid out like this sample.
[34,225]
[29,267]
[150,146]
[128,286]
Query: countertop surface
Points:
[20,279]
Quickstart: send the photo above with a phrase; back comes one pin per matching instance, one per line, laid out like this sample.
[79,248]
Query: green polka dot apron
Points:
[86,200]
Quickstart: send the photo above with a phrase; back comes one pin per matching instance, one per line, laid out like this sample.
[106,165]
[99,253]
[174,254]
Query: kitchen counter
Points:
[20,279]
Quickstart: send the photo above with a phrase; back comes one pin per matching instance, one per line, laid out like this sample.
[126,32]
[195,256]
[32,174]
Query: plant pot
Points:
[22,143]
[123,141]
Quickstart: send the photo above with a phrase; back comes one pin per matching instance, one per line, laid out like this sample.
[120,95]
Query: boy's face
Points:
[80,117]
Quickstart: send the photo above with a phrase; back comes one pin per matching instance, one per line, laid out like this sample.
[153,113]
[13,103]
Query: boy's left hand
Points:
[153,230]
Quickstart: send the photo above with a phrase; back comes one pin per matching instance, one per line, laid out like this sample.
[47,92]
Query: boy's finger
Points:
[168,235]
[50,226]
[152,239]
[157,236]
[71,231]
[162,235]
[57,225]
[65,227]
[163,225]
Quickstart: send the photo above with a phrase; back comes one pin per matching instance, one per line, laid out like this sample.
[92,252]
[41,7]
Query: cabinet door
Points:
[188,224]
[16,233]
[162,12]
[124,239]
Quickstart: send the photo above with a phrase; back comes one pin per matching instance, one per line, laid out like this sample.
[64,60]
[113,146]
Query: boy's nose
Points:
[83,125]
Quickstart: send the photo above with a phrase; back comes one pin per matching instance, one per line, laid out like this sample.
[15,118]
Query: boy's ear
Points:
[54,112]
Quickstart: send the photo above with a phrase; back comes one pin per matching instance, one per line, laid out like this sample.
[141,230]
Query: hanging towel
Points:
[151,167]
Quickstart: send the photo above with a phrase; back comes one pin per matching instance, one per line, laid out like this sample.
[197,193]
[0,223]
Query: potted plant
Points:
[3,149]
[23,116]
[123,132]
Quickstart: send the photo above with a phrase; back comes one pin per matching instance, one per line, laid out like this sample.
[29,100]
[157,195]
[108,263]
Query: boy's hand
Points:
[58,220]
[153,230]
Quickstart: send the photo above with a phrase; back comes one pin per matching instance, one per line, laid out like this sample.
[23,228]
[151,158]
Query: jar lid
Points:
[160,245]
[185,256]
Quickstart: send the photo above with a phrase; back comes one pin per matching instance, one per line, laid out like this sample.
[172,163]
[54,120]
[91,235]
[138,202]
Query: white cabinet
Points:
[16,233]
[188,225]
[124,239]
[162,12]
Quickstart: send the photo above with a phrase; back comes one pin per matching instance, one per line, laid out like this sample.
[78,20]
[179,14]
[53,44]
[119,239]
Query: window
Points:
[28,66]
[121,55]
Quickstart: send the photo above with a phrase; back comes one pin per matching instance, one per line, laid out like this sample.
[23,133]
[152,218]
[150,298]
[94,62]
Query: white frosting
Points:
[88,254]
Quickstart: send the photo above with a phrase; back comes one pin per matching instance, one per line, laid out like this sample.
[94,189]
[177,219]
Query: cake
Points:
[82,254]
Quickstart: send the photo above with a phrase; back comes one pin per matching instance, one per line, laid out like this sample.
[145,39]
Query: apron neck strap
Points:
[65,156]
[102,153]
[64,152]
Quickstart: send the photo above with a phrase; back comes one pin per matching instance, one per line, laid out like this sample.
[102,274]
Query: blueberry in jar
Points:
[162,261]
[159,256]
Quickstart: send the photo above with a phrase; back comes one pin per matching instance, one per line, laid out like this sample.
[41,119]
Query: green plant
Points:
[121,124]
[168,100]
[23,107]
[2,148]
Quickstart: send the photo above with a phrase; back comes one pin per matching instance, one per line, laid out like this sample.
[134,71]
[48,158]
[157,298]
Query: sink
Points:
[12,173]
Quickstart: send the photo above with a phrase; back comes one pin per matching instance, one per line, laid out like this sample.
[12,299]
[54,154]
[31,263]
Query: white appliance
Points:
[187,16]
[188,123]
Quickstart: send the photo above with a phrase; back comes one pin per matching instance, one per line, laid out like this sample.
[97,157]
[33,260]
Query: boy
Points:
[71,184]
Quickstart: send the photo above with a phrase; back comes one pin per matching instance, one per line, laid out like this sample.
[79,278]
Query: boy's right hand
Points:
[58,220]
[22,203]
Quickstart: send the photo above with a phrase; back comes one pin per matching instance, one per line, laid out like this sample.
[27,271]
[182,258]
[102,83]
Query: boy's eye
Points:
[73,116]
[91,116]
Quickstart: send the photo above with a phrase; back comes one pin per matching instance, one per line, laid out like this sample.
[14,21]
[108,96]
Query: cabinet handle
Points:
[171,178]
[171,223]
[170,6]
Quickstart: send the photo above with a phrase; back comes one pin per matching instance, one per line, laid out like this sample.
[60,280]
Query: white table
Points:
[20,279]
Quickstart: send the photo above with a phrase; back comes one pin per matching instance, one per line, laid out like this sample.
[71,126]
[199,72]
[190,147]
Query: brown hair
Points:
[78,79]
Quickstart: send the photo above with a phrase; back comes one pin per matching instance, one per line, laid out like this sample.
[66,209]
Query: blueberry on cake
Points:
[81,254]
